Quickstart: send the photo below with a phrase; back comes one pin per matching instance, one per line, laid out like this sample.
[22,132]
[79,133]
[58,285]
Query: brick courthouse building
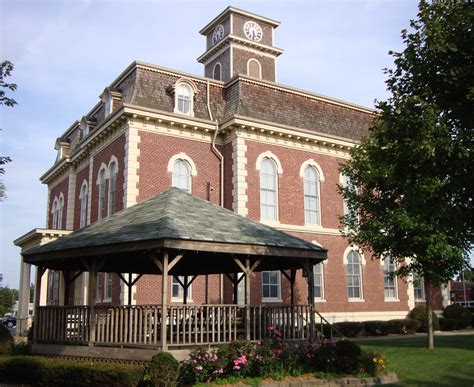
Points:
[237,138]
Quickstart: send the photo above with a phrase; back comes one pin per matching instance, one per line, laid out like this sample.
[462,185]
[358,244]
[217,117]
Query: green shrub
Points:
[348,356]
[350,328]
[458,313]
[420,314]
[163,369]
[447,324]
[6,341]
[404,326]
[373,363]
[42,371]
[376,328]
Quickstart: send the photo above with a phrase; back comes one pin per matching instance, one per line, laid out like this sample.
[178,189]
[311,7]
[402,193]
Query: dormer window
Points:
[185,99]
[107,104]
[84,128]
[184,92]
[108,97]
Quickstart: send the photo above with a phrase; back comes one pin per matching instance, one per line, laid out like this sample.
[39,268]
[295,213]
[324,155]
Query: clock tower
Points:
[240,42]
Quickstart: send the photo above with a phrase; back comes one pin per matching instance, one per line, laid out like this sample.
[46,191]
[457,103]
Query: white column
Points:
[239,176]
[24,298]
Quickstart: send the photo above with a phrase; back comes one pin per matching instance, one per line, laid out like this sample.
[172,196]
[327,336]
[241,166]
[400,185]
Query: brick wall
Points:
[224,60]
[155,153]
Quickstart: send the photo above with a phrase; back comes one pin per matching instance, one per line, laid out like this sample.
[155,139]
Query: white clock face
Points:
[218,34]
[253,31]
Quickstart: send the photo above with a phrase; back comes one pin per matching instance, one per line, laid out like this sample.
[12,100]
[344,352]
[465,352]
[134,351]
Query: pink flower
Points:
[236,367]
[198,368]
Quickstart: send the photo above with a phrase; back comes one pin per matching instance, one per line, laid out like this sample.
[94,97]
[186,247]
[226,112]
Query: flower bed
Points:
[276,358]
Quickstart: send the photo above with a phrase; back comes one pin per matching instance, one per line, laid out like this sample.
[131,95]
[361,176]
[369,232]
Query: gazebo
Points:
[178,234]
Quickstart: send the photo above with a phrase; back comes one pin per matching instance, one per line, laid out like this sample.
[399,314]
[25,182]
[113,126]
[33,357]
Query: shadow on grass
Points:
[458,342]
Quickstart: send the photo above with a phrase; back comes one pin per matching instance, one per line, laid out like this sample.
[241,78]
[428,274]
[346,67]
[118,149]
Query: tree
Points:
[6,68]
[411,179]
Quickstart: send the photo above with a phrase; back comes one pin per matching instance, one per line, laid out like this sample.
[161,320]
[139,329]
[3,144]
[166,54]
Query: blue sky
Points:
[66,52]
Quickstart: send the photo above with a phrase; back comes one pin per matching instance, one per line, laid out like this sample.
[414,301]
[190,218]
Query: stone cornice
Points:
[39,232]
[229,10]
[287,136]
[238,41]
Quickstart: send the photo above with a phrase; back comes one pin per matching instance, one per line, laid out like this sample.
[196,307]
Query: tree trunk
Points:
[429,311]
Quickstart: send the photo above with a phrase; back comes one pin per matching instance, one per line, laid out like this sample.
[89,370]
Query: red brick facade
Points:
[253,117]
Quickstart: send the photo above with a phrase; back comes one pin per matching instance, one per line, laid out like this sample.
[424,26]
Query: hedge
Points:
[42,371]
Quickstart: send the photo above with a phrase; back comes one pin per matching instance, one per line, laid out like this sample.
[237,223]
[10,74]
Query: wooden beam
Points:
[157,263]
[136,279]
[123,279]
[175,261]
[244,269]
[74,277]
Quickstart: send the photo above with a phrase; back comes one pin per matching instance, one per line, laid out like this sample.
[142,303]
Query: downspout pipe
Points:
[220,156]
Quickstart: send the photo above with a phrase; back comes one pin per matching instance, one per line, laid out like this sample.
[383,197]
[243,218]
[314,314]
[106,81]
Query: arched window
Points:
[84,198]
[184,99]
[59,213]
[268,190]
[181,177]
[217,72]
[102,197]
[54,210]
[312,212]
[389,281]
[354,275]
[112,187]
[254,69]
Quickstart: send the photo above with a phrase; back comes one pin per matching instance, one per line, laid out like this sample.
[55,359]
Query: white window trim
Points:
[422,282]
[259,67]
[275,221]
[54,209]
[60,211]
[104,168]
[268,155]
[321,179]
[185,157]
[84,187]
[323,293]
[106,277]
[113,160]
[272,299]
[194,92]
[179,300]
[213,70]
[362,264]
[108,102]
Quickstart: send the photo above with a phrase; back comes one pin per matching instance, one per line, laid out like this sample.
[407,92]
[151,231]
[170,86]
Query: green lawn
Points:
[450,364]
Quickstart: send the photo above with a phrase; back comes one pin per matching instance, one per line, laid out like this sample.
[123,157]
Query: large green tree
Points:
[6,67]
[410,196]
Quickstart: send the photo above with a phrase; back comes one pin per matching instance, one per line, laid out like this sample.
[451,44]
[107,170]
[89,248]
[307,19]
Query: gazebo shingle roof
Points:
[177,216]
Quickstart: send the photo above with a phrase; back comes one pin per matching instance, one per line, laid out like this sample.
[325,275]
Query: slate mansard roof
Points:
[150,87]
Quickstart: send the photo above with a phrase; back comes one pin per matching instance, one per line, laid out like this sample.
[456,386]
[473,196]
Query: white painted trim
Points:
[89,204]
[81,196]
[131,165]
[323,293]
[103,167]
[239,176]
[312,163]
[185,157]
[268,155]
[357,250]
[259,67]
[194,90]
[333,317]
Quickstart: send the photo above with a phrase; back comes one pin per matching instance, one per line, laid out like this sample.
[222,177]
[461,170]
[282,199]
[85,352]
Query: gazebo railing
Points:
[186,325]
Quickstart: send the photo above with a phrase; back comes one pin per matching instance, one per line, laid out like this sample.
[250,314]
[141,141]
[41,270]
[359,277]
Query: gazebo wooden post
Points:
[91,298]
[129,288]
[185,290]
[39,274]
[309,267]
[164,299]
[67,282]
[247,269]
[235,288]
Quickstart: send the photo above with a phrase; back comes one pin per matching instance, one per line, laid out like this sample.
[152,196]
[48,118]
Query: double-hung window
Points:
[318,281]
[354,280]
[389,281]
[102,195]
[271,286]
[112,188]
[181,177]
[84,195]
[268,190]
[312,214]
